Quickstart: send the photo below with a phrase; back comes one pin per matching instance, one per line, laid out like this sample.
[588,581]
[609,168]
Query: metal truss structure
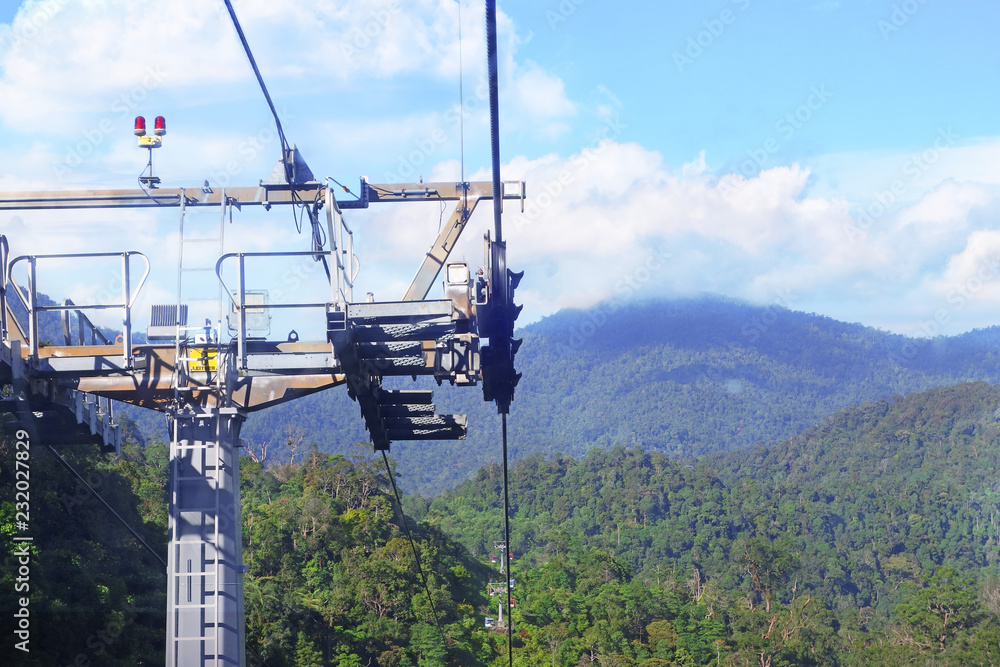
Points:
[207,384]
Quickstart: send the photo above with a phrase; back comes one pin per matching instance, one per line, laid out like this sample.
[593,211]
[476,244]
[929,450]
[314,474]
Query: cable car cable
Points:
[297,201]
[413,546]
[491,55]
[260,80]
[461,98]
[506,531]
[103,502]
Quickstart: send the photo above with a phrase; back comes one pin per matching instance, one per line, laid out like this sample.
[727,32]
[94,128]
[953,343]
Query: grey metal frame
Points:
[346,263]
[128,297]
[204,461]
[239,301]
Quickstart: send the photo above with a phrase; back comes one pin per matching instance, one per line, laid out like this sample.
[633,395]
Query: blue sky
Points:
[834,157]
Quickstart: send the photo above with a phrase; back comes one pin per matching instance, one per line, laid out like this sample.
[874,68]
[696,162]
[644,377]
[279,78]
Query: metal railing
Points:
[128,296]
[346,263]
[83,325]
[238,296]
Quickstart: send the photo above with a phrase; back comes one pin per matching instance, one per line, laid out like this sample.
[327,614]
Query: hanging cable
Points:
[413,546]
[260,80]
[286,151]
[506,537]
[461,98]
[344,187]
[491,53]
[108,507]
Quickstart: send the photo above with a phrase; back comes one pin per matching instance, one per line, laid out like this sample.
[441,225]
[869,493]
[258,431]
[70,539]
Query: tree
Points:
[306,654]
[940,613]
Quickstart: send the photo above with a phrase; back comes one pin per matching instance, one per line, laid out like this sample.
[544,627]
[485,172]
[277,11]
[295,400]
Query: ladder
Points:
[204,561]
[198,347]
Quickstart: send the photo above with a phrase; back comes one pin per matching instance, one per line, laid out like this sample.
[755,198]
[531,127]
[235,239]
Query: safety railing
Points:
[83,326]
[238,296]
[346,264]
[128,296]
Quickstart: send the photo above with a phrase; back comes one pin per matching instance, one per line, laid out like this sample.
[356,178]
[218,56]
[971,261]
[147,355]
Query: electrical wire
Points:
[344,187]
[150,194]
[413,546]
[149,167]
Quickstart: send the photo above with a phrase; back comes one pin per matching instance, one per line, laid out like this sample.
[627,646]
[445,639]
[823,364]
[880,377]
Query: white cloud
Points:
[95,57]
[973,274]
[613,219]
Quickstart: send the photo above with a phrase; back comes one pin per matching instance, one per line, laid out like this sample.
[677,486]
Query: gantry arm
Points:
[468,196]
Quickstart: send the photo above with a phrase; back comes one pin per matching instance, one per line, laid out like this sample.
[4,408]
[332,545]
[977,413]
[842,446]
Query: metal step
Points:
[405,396]
[389,411]
[375,333]
[394,349]
[434,427]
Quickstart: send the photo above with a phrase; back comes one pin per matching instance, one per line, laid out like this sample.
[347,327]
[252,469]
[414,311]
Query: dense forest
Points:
[871,539]
[683,377]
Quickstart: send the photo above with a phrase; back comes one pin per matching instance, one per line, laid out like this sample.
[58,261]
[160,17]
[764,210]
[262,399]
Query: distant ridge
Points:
[686,377]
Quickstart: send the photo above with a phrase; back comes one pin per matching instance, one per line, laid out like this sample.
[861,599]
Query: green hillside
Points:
[872,538]
[686,378]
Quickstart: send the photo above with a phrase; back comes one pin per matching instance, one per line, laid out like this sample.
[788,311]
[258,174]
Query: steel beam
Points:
[262,194]
[439,251]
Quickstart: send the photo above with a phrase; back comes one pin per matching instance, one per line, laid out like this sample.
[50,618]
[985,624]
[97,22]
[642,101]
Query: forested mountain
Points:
[649,529]
[870,539]
[873,538]
[685,377]
[331,577]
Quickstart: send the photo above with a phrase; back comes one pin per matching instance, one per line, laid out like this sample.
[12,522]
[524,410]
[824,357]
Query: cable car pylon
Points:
[208,384]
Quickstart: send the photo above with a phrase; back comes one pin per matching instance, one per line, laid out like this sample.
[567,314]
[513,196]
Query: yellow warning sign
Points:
[203,361]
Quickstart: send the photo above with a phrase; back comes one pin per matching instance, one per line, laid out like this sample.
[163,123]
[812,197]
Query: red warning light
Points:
[159,126]
[140,126]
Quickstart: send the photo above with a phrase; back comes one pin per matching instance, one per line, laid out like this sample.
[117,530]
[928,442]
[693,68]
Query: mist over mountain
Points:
[684,377]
